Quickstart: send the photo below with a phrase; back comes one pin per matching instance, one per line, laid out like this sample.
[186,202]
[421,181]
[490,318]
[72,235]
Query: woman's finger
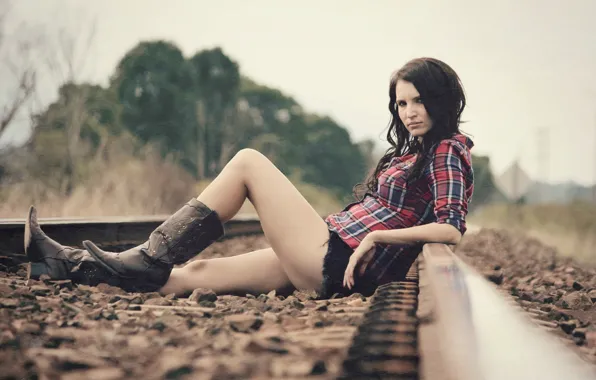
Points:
[364,264]
[347,276]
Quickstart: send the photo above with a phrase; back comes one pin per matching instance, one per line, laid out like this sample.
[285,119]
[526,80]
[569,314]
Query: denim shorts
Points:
[334,266]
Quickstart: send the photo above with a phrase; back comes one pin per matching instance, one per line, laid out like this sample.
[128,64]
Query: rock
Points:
[557,315]
[293,303]
[244,323]
[544,298]
[321,308]
[159,326]
[202,294]
[297,367]
[580,332]
[577,301]
[62,284]
[568,326]
[103,373]
[109,289]
[319,322]
[206,303]
[319,368]
[40,290]
[158,301]
[270,344]
[592,295]
[121,304]
[577,286]
[63,359]
[495,277]
[8,303]
[356,303]
[526,296]
[591,339]
[148,296]
[540,289]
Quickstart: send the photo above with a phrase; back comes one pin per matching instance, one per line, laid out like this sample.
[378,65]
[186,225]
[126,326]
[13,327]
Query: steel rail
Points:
[482,336]
[105,231]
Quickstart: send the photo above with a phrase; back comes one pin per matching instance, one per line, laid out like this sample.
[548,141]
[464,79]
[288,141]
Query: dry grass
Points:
[128,186]
[132,187]
[570,228]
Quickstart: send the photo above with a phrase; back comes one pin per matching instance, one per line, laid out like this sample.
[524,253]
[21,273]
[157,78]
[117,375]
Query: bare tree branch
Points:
[24,91]
[17,62]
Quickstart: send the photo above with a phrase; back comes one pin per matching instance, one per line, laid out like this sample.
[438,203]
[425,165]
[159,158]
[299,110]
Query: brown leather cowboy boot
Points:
[182,236]
[57,261]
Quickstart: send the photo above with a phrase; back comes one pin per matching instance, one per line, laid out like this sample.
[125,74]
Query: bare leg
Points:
[254,272]
[296,232]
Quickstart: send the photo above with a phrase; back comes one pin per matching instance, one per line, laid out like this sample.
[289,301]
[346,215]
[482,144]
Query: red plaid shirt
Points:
[441,195]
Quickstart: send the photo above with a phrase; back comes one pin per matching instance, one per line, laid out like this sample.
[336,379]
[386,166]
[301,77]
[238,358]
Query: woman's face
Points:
[411,109]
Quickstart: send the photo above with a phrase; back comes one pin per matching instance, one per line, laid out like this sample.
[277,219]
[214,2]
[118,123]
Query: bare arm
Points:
[427,233]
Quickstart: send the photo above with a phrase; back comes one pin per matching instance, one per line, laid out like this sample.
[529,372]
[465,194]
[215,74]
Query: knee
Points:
[247,158]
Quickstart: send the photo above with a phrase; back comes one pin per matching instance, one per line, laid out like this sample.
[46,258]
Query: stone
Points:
[244,323]
[40,290]
[580,332]
[206,303]
[202,294]
[568,326]
[577,301]
[591,339]
[496,277]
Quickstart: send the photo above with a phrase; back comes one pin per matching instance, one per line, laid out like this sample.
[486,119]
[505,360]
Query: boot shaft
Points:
[184,234]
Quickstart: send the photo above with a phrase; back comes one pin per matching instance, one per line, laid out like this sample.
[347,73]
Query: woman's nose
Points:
[410,111]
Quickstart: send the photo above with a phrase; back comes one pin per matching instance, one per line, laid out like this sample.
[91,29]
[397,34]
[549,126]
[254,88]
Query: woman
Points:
[419,192]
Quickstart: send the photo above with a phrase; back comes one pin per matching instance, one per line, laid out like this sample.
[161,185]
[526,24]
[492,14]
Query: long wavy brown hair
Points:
[443,96]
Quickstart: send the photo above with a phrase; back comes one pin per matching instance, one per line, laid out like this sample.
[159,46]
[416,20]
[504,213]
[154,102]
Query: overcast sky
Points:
[525,64]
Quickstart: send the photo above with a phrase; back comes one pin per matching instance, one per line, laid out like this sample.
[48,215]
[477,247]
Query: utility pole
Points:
[543,158]
[594,164]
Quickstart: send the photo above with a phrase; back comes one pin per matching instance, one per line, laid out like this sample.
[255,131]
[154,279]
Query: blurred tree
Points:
[217,80]
[155,84]
[89,115]
[484,185]
[282,128]
[330,159]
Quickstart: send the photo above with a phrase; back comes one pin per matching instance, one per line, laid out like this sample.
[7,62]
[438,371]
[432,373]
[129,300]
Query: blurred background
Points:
[132,107]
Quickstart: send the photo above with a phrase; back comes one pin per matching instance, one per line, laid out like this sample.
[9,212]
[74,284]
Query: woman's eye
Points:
[419,100]
[401,104]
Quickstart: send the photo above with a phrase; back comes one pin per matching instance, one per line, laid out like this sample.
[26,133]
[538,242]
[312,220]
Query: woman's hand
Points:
[361,257]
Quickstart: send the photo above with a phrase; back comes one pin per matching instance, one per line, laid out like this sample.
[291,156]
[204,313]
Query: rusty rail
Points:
[106,231]
[484,337]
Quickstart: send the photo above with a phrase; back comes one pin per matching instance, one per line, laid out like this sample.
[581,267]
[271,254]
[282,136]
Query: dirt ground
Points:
[52,330]
[57,330]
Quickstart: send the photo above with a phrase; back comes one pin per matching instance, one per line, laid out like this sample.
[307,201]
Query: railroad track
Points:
[429,326]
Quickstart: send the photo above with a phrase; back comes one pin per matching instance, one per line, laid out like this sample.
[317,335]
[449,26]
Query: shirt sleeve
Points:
[447,177]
